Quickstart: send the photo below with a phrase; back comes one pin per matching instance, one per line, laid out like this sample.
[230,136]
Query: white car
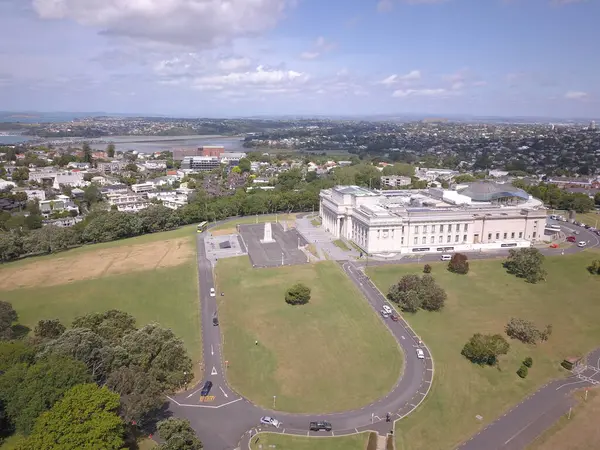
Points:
[212,292]
[420,354]
[387,309]
[581,244]
[384,314]
[270,421]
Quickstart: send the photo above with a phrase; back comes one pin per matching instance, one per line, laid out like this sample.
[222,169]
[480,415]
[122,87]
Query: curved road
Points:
[226,421]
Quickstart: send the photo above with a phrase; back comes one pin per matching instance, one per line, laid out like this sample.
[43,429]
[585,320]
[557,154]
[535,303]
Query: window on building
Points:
[489,236]
[497,235]
[433,239]
[449,239]
[466,227]
[417,229]
[402,229]
[433,228]
[456,238]
[424,228]
[402,240]
[424,240]
[416,240]
[520,235]
[505,235]
[465,238]
[441,239]
[450,228]
[512,235]
[534,234]
[441,228]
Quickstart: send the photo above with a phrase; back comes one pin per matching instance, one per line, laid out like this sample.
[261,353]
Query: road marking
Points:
[403,337]
[569,384]
[226,396]
[191,395]
[212,351]
[214,371]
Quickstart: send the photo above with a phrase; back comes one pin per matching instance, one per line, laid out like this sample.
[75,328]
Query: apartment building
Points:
[395,181]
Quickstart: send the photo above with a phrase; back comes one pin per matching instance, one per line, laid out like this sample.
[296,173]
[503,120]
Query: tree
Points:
[465,178]
[27,391]
[594,268]
[20,174]
[131,167]
[33,221]
[160,353]
[110,150]
[413,292]
[526,263]
[244,165]
[523,371]
[427,268]
[546,333]
[597,198]
[91,194]
[15,352]
[111,325]
[523,330]
[49,329]
[311,176]
[141,394]
[298,294]
[86,418]
[528,362]
[178,435]
[485,348]
[459,264]
[7,317]
[87,153]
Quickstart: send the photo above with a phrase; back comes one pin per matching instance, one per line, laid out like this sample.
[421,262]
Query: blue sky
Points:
[245,57]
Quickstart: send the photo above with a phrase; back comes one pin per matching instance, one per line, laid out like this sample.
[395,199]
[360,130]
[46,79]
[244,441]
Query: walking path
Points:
[324,240]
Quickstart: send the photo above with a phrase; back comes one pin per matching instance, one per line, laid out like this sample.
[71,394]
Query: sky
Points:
[231,58]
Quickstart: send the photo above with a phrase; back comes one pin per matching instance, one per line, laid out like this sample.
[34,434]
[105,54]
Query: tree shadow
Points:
[20,331]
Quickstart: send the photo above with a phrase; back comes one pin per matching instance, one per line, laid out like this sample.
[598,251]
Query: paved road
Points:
[226,421]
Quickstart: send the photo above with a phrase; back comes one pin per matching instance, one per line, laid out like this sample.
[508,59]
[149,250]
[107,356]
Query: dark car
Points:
[215,321]
[571,239]
[318,426]
[206,388]
[394,317]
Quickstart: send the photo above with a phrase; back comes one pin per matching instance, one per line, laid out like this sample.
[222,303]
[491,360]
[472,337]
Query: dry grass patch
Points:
[67,268]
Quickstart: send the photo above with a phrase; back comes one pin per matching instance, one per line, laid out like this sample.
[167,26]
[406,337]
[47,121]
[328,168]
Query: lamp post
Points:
[274,398]
[282,255]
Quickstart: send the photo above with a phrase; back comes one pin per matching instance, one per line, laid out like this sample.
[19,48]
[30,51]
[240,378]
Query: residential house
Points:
[143,187]
[394,181]
[129,202]
[112,167]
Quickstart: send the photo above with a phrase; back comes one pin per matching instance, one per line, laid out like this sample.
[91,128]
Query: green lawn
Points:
[483,301]
[254,219]
[288,442]
[341,244]
[591,218]
[332,354]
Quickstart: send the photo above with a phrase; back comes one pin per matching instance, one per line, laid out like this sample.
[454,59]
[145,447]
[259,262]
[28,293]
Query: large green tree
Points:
[15,352]
[84,419]
[485,348]
[110,150]
[178,435]
[413,292]
[8,316]
[526,263]
[298,294]
[111,325]
[49,329]
[27,391]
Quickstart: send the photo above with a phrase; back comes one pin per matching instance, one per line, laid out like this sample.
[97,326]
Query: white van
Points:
[446,257]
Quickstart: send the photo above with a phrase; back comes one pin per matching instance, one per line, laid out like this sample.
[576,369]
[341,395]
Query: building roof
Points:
[355,190]
[485,191]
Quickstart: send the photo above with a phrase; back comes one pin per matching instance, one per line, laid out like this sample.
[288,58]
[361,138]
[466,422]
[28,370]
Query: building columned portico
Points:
[477,217]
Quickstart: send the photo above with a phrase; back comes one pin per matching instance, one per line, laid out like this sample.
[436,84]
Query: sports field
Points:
[153,277]
[483,301]
[332,354]
[288,442]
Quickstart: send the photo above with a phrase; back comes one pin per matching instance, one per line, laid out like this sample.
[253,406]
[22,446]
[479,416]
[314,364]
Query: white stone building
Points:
[129,202]
[482,216]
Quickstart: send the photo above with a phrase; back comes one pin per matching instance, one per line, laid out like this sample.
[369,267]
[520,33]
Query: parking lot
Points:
[284,251]
[224,247]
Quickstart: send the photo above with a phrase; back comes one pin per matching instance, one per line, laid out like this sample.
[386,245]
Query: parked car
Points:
[384,314]
[387,309]
[394,317]
[206,388]
[212,292]
[420,354]
[571,239]
[270,421]
[446,257]
[215,321]
[581,244]
[321,425]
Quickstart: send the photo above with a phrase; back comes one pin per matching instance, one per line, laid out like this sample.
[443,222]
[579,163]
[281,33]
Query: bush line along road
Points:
[229,421]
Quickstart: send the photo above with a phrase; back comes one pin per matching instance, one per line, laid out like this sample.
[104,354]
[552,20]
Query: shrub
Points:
[485,348]
[528,362]
[523,371]
[426,268]
[459,264]
[594,268]
[523,330]
[298,294]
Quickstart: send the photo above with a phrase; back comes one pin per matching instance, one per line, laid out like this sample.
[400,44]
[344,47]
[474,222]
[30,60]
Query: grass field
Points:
[579,432]
[332,354]
[591,218]
[341,244]
[153,277]
[483,301]
[288,442]
[229,227]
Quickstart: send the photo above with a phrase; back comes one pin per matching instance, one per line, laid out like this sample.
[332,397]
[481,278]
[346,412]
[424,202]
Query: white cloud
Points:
[576,95]
[402,93]
[385,6]
[309,55]
[233,64]
[263,79]
[413,75]
[188,22]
